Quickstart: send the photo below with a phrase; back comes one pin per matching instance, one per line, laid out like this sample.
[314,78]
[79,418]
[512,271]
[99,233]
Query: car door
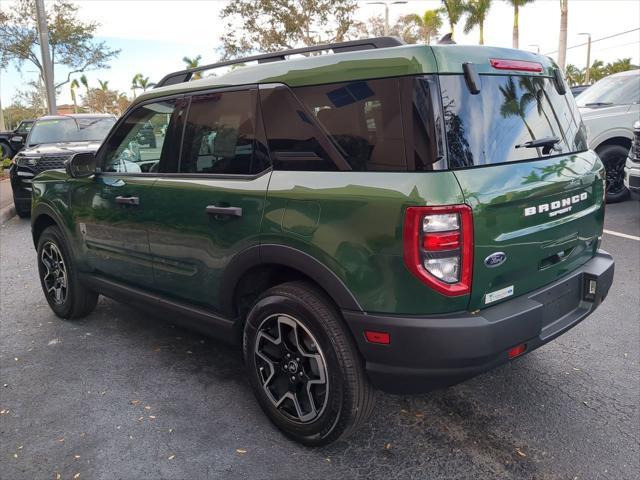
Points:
[19,135]
[114,207]
[209,205]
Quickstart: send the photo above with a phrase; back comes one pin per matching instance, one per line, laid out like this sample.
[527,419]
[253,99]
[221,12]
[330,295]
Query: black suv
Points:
[51,141]
[13,140]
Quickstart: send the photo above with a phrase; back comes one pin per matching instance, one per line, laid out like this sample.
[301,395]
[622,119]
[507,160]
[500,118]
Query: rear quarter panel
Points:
[352,223]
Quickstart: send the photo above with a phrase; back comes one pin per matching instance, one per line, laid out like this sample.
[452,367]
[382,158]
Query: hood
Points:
[61,148]
[591,113]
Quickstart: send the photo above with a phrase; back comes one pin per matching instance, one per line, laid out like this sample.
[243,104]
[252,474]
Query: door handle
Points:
[228,211]
[128,200]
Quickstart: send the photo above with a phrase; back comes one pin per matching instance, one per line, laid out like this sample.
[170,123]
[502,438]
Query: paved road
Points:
[125,395]
[6,197]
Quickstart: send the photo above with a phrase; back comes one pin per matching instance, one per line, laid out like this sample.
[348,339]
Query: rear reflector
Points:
[517,351]
[502,64]
[442,241]
[377,337]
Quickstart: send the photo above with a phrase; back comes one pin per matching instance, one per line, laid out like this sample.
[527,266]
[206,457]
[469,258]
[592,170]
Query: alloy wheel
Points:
[291,368]
[614,172]
[55,274]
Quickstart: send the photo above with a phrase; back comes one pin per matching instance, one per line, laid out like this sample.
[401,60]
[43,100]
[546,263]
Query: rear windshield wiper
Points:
[540,142]
[598,104]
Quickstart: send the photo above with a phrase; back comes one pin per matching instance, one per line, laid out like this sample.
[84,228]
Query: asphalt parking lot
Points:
[123,394]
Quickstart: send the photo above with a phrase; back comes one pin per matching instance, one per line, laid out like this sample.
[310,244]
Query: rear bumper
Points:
[427,353]
[632,175]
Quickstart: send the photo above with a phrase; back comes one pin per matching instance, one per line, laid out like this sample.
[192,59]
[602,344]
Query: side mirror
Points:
[17,139]
[81,165]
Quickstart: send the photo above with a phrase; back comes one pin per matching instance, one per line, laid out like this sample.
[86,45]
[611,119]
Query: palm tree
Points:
[144,83]
[516,105]
[135,83]
[575,76]
[620,65]
[104,85]
[85,84]
[562,40]
[428,23]
[477,11]
[516,15]
[597,70]
[454,10]
[74,84]
[193,63]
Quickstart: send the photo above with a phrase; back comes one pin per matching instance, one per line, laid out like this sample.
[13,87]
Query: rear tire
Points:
[614,158]
[5,151]
[303,365]
[66,296]
[21,211]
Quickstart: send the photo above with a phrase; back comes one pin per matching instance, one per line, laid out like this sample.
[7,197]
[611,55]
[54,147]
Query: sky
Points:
[153,36]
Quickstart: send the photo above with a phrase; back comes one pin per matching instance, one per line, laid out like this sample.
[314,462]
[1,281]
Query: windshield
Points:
[513,118]
[70,130]
[614,90]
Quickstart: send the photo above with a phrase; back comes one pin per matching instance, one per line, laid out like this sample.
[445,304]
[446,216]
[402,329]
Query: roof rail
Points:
[350,46]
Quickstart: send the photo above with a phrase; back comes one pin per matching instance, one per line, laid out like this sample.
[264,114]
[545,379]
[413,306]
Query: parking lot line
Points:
[623,235]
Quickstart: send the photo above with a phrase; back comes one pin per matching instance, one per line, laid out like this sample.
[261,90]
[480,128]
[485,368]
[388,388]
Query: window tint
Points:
[494,126]
[294,141]
[220,135]
[24,127]
[423,122]
[363,119]
[138,143]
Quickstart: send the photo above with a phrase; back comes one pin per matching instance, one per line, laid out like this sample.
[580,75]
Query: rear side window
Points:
[362,119]
[220,135]
[495,125]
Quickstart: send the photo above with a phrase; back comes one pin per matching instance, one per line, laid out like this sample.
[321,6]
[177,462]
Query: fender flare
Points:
[269,254]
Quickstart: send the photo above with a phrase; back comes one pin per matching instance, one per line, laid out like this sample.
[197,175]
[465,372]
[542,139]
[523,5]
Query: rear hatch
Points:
[537,207]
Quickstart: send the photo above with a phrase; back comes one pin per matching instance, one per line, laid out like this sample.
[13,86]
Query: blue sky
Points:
[155,35]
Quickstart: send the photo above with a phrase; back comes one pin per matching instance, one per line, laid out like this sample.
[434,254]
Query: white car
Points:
[609,109]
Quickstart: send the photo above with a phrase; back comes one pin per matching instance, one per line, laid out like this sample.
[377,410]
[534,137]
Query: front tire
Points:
[303,365]
[59,277]
[614,158]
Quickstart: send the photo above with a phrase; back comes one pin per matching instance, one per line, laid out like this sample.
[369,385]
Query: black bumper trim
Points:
[434,352]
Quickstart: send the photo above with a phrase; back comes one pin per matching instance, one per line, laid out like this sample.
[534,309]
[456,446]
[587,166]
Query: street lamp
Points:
[386,12]
[535,45]
[586,75]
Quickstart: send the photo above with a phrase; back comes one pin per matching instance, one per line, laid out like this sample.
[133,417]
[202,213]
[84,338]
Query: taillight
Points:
[438,247]
[522,65]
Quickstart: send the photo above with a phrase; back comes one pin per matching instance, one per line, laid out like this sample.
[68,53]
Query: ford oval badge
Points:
[495,259]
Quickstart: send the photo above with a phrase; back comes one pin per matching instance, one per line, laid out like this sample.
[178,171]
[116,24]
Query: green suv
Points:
[358,215]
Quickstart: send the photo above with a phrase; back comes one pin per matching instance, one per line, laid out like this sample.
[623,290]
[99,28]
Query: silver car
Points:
[609,108]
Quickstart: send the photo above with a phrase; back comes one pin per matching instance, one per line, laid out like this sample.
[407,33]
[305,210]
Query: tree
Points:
[103,100]
[477,11]
[428,23]
[193,63]
[454,10]
[144,83]
[516,17]
[71,40]
[269,26]
[74,84]
[575,76]
[134,83]
[104,85]
[562,40]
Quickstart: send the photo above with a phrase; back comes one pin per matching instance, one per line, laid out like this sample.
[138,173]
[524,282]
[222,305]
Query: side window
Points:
[137,145]
[24,127]
[220,135]
[294,141]
[363,119]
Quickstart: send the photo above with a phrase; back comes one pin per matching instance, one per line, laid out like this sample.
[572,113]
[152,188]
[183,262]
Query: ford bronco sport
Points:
[389,216]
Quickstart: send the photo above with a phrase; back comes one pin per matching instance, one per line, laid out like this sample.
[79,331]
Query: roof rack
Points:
[350,46]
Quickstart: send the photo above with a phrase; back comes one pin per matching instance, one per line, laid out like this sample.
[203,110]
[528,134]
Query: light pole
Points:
[386,12]
[47,67]
[586,74]
[535,45]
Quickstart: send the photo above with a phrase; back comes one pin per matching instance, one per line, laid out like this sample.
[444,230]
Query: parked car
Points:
[51,141]
[12,141]
[632,168]
[578,89]
[609,108]
[146,136]
[391,216]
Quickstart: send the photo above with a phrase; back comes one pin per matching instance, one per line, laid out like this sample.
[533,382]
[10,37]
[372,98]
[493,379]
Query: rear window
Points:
[495,125]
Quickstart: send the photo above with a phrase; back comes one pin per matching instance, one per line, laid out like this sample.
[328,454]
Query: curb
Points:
[7,213]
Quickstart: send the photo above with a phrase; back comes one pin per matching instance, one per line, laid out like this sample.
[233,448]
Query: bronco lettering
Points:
[554,207]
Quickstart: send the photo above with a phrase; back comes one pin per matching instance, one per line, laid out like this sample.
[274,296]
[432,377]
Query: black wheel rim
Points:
[614,171]
[291,368]
[54,275]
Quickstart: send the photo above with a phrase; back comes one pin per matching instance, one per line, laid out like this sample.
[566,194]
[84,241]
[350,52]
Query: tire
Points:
[287,378]
[614,157]
[70,301]
[21,211]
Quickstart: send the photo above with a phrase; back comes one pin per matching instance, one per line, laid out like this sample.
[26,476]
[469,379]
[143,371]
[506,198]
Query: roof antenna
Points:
[446,39]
